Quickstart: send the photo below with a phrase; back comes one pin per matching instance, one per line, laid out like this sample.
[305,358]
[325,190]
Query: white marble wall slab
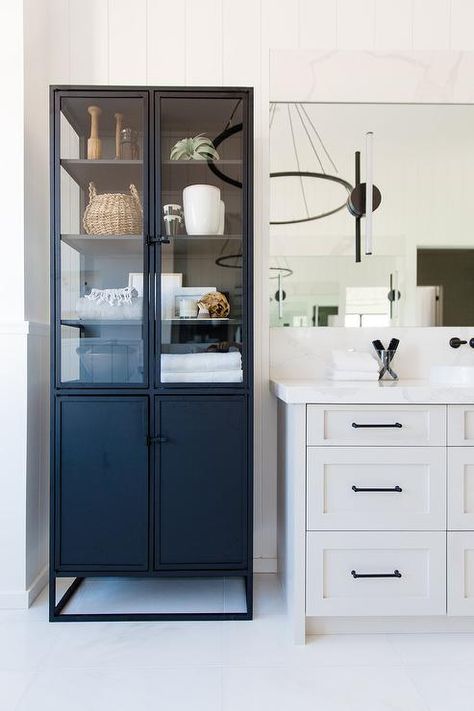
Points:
[367,76]
[306,352]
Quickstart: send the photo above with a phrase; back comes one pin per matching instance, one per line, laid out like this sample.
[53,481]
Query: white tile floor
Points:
[225,666]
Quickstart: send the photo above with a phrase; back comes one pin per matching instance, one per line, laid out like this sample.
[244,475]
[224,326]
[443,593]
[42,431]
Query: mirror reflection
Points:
[420,270]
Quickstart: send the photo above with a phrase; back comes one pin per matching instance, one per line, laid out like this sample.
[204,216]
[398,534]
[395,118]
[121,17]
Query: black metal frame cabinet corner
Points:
[151,467]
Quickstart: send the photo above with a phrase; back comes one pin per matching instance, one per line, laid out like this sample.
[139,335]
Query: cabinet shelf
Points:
[105,245]
[82,323]
[201,163]
[203,321]
[108,175]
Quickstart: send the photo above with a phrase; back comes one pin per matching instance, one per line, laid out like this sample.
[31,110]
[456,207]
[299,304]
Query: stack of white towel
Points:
[353,365]
[201,367]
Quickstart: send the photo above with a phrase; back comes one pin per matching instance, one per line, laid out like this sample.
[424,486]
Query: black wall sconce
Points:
[364,199]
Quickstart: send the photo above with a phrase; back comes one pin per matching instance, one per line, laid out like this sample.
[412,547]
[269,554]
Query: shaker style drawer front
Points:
[375,574]
[383,425]
[364,488]
[461,573]
[461,488]
[461,425]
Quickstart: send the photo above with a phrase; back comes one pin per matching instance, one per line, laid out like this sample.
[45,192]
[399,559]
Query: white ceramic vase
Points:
[201,205]
[220,230]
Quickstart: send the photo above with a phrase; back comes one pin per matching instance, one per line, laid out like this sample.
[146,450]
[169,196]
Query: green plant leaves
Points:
[197,148]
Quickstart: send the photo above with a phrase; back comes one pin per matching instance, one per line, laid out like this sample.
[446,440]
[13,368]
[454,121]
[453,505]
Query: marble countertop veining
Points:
[418,392]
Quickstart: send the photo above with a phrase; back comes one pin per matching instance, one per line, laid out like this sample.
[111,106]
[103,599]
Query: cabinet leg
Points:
[55,609]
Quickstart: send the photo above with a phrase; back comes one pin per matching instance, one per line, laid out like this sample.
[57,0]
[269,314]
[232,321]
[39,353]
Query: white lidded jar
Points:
[201,205]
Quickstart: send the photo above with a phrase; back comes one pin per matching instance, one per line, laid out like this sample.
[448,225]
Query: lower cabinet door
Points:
[461,573]
[372,574]
[201,482]
[102,483]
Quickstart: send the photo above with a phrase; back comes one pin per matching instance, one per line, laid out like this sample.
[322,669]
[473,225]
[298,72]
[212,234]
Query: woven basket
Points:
[113,213]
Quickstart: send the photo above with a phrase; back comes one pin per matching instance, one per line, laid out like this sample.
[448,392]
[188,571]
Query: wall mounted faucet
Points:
[456,342]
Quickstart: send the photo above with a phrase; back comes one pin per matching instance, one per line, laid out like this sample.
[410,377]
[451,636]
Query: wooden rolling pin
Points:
[118,128]
[94,144]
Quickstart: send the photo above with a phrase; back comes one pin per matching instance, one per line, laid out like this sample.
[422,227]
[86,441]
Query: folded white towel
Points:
[354,360]
[352,375]
[200,362]
[211,376]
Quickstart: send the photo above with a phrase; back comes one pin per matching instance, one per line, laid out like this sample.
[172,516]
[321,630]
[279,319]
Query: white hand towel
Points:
[354,361]
[353,375]
[200,362]
[212,376]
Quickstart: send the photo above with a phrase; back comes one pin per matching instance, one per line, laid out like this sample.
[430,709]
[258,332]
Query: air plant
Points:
[197,148]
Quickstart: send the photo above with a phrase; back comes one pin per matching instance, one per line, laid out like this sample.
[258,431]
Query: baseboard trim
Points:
[37,585]
[265,565]
[389,625]
[22,599]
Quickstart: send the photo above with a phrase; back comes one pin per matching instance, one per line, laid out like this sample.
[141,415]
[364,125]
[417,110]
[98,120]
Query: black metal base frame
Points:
[56,613]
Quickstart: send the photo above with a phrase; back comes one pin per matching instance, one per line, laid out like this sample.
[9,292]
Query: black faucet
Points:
[456,342]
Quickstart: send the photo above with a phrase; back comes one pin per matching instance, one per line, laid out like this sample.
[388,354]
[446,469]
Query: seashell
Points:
[216,303]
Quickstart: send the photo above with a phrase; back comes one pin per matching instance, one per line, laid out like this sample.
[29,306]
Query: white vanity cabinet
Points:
[376,506]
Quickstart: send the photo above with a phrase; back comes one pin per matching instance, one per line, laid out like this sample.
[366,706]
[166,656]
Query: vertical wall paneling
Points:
[127,42]
[431,24]
[166,40]
[462,24]
[355,24]
[318,24]
[280,24]
[265,454]
[59,64]
[203,33]
[215,42]
[393,24]
[241,42]
[89,41]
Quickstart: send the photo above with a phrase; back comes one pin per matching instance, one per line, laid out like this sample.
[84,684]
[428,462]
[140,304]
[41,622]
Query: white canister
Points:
[201,209]
[220,229]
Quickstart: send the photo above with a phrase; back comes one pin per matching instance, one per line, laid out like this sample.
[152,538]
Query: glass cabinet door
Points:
[100,257]
[201,189]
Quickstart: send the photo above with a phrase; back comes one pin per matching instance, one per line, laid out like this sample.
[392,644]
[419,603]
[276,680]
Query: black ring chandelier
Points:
[361,200]
[322,156]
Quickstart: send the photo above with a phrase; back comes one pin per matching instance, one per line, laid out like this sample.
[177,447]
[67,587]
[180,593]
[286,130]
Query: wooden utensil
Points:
[94,144]
[118,128]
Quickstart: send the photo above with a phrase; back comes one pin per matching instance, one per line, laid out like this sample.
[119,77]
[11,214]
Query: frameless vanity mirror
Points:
[421,270]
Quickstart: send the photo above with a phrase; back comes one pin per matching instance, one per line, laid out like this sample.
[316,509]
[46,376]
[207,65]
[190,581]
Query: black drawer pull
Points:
[156,440]
[395,574]
[397,488]
[399,425]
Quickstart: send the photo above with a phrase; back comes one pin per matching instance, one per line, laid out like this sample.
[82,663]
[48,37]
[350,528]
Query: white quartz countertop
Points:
[369,393]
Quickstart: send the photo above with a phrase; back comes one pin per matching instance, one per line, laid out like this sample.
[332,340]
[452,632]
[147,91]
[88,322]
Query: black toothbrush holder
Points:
[386,356]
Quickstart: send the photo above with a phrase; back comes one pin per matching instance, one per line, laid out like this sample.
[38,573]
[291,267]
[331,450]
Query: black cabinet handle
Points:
[356,425]
[156,440]
[395,574]
[150,240]
[397,489]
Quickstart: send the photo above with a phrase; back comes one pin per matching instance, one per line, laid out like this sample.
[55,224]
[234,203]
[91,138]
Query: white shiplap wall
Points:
[224,42]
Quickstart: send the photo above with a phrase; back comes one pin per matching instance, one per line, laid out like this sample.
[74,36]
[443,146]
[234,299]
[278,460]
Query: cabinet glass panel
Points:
[101,291]
[202,226]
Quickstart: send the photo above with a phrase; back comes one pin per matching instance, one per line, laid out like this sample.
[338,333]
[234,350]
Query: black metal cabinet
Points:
[200,465]
[151,393]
